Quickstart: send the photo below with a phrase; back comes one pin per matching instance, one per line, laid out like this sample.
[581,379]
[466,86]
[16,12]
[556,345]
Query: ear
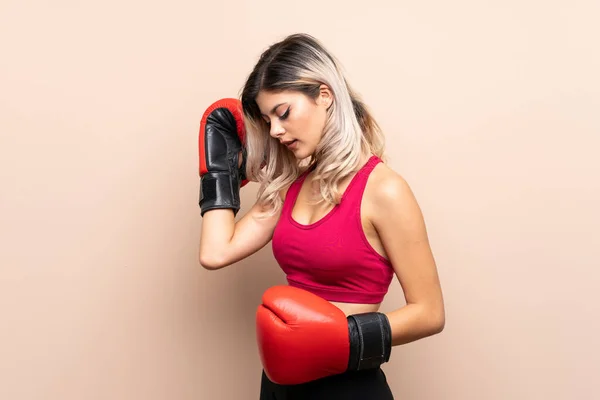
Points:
[325,96]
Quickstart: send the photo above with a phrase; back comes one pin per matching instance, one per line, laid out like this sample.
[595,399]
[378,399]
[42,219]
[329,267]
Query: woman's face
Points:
[294,119]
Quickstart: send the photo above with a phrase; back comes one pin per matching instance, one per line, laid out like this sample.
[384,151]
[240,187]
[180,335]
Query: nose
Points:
[276,130]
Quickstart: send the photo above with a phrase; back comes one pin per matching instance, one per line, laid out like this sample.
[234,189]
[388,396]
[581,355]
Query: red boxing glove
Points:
[302,337]
[220,141]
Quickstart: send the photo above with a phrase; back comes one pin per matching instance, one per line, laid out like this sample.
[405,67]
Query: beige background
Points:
[491,111]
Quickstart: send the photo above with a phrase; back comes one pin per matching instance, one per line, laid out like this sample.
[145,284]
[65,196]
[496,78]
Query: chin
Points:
[302,153]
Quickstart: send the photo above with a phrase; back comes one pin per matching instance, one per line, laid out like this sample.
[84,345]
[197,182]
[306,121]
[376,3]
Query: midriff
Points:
[354,308]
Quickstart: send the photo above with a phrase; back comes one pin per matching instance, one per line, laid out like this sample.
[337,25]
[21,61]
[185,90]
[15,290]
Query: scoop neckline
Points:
[331,212]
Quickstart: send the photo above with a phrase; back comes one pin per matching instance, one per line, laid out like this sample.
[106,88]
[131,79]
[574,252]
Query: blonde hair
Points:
[301,63]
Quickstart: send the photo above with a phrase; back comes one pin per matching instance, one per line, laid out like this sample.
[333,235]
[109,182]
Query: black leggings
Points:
[363,385]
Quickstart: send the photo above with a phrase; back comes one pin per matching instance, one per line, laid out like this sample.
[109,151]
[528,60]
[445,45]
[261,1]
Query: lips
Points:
[288,143]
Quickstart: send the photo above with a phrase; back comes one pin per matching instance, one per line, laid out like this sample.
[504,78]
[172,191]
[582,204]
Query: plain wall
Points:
[491,112]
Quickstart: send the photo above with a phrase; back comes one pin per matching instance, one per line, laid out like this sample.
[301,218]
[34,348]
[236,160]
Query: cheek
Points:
[310,126]
[317,125]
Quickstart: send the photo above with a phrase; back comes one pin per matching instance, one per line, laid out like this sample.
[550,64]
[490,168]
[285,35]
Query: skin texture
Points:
[293,116]
[391,219]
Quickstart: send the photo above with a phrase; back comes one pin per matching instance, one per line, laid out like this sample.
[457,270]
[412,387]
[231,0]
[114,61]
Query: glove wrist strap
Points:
[370,340]
[219,190]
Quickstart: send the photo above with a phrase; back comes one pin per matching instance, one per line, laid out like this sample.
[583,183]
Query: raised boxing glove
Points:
[302,337]
[220,142]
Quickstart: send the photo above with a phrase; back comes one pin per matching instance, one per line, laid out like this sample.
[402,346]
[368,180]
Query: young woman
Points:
[341,221]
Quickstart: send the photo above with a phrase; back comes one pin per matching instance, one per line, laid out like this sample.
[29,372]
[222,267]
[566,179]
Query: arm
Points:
[402,230]
[222,175]
[224,242]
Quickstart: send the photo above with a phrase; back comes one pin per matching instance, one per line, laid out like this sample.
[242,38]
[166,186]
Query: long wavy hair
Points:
[301,63]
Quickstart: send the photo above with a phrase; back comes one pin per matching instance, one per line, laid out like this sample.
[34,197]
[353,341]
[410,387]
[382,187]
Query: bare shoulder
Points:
[388,192]
[386,185]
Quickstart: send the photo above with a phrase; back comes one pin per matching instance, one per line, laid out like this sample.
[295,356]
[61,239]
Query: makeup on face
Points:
[293,119]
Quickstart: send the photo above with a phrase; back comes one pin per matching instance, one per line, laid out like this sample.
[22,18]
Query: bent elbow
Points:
[438,322]
[433,320]
[210,262]
[440,325]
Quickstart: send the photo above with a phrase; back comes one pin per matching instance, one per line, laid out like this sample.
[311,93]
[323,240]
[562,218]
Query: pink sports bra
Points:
[332,257]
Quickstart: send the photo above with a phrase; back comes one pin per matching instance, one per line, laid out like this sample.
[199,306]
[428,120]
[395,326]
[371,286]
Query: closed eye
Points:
[282,117]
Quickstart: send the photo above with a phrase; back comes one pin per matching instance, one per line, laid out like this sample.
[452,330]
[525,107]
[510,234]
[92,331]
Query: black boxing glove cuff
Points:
[219,190]
[370,340]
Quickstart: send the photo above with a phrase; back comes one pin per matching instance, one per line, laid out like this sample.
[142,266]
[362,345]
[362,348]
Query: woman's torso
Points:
[307,214]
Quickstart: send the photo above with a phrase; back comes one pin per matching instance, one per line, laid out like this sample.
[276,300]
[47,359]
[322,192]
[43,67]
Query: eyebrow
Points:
[275,108]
